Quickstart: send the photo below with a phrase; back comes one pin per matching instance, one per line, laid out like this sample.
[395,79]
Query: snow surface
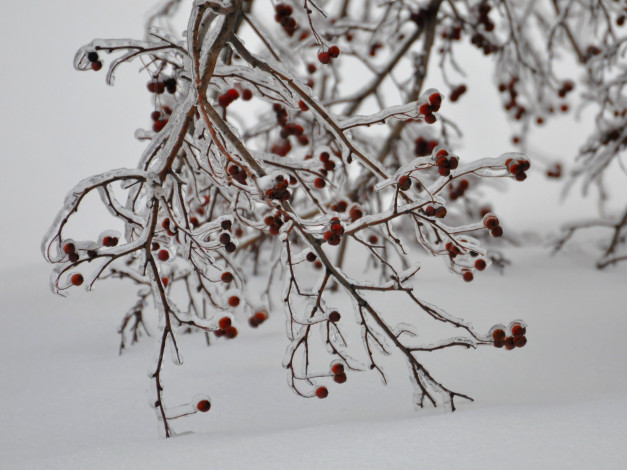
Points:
[68,401]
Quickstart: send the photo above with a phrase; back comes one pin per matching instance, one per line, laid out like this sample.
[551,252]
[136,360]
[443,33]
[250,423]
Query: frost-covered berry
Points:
[518,330]
[233,301]
[468,276]
[339,378]
[203,406]
[324,57]
[226,277]
[224,323]
[334,316]
[498,335]
[163,255]
[230,332]
[404,182]
[334,51]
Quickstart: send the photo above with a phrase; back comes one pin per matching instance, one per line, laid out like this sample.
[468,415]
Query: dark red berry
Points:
[224,323]
[76,279]
[322,392]
[203,405]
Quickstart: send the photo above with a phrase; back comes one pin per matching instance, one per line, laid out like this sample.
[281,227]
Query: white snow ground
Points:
[68,401]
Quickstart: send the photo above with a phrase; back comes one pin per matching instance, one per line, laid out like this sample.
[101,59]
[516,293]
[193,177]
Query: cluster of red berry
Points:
[158,87]
[93,58]
[160,118]
[274,222]
[454,33]
[339,206]
[427,109]
[279,191]
[457,92]
[225,327]
[516,339]
[238,174]
[455,192]
[566,88]
[225,239]
[337,369]
[445,163]
[483,11]
[332,53]
[283,15]
[491,222]
[424,147]
[518,168]
[228,97]
[257,319]
[518,110]
[439,212]
[334,234]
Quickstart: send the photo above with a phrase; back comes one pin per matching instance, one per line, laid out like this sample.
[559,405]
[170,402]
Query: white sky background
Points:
[59,125]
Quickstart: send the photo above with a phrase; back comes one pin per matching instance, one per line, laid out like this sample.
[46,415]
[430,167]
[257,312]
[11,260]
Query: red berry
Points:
[498,335]
[224,101]
[480,264]
[334,51]
[260,317]
[339,378]
[165,281]
[76,279]
[497,232]
[319,183]
[324,58]
[509,343]
[334,316]
[430,211]
[311,257]
[520,341]
[203,405]
[468,276]
[232,94]
[247,94]
[337,368]
[430,118]
[224,323]
[230,247]
[440,212]
[303,106]
[490,221]
[226,277]
[404,182]
[322,392]
[163,255]
[318,264]
[518,330]
[69,248]
[155,115]
[230,332]
[157,126]
[95,66]
[234,301]
[110,241]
